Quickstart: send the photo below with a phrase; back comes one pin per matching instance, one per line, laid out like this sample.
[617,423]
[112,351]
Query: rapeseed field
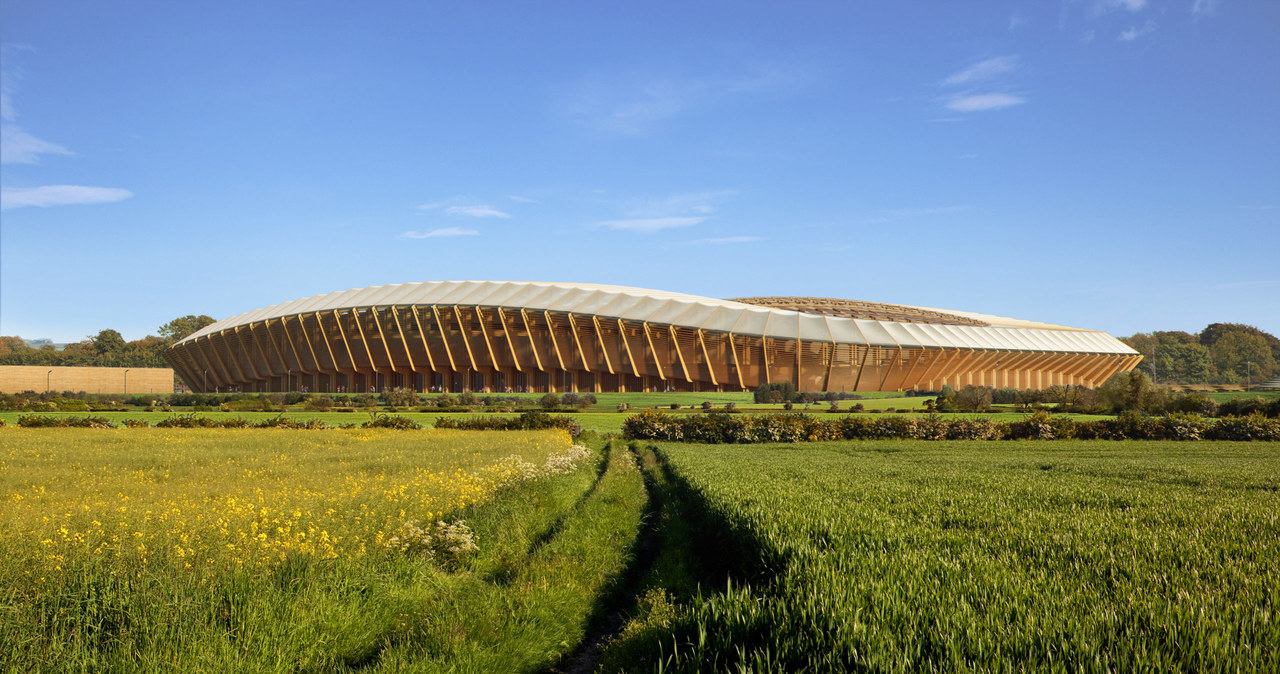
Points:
[210,500]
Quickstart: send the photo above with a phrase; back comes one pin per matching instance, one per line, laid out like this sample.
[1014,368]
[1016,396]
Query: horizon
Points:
[1108,165]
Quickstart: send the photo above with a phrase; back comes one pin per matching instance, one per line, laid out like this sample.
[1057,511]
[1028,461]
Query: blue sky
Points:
[1106,164]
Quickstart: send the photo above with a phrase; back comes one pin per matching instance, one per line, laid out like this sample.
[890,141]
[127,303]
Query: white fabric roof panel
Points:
[639,304]
[920,337]
[751,322]
[845,332]
[814,328]
[900,335]
[782,325]
[874,332]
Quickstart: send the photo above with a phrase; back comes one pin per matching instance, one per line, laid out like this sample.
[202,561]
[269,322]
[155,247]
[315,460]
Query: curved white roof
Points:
[668,308]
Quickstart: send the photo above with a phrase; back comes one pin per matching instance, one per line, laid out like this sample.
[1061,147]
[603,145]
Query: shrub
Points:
[1242,407]
[401,397]
[1184,427]
[391,421]
[1194,403]
[34,421]
[1042,426]
[529,421]
[706,406]
[320,403]
[1252,427]
[549,401]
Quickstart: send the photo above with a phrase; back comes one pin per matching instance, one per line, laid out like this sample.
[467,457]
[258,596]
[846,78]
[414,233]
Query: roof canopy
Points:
[974,331]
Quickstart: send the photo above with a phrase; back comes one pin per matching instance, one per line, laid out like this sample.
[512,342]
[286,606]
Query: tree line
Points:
[108,348]
[1222,353]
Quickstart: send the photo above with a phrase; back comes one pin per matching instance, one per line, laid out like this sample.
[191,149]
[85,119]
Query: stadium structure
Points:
[488,336]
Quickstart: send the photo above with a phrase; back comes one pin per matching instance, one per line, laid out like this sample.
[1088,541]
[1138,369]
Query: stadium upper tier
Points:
[486,335]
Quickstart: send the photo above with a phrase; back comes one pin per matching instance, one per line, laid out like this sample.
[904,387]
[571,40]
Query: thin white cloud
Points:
[1129,5]
[443,232]
[428,207]
[19,147]
[477,212]
[651,225]
[982,102]
[59,195]
[522,200]
[632,103]
[983,70]
[16,145]
[691,203]
[723,240]
[1204,7]
[1134,33]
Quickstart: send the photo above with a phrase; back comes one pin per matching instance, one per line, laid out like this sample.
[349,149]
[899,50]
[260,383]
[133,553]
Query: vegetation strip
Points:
[720,428]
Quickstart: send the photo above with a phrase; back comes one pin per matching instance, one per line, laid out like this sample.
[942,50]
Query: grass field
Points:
[278,550]
[909,556]
[267,550]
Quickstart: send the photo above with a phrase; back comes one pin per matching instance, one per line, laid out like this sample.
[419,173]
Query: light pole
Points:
[47,376]
[126,382]
[1248,379]
[205,389]
[287,378]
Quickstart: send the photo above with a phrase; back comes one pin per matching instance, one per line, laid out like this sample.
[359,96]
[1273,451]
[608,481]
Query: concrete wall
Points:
[18,378]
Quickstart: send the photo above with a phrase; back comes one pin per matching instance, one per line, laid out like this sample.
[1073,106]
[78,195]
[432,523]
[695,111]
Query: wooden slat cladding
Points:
[500,349]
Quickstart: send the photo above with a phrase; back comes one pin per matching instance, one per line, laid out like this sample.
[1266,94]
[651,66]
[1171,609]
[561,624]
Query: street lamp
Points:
[287,378]
[1248,380]
[205,388]
[47,376]
[126,381]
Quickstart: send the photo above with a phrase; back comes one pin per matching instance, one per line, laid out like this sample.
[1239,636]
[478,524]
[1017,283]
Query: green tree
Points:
[1184,363]
[108,342]
[180,328]
[1242,355]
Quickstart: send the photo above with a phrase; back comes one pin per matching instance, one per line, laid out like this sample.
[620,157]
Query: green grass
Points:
[1224,396]
[913,556]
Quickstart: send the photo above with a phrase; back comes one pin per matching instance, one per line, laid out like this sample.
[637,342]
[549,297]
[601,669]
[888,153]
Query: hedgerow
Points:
[720,428]
[529,421]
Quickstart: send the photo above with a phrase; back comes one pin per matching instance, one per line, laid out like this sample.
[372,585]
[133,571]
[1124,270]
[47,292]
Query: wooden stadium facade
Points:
[499,337]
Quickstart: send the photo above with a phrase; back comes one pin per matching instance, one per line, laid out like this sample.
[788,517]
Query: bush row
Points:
[718,428]
[194,421]
[529,421]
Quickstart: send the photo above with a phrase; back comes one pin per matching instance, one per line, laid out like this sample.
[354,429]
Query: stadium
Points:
[489,336]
